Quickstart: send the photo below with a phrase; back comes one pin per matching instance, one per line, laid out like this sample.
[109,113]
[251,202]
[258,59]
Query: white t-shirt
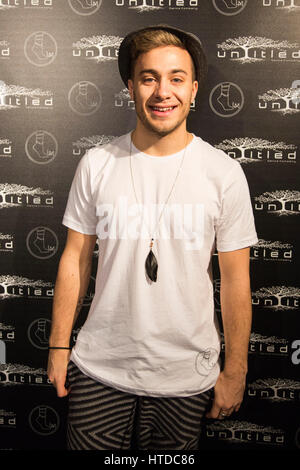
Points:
[156,338]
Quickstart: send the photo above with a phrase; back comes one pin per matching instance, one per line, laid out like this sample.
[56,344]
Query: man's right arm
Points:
[70,289]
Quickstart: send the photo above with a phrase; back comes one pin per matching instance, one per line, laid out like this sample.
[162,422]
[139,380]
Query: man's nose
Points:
[162,89]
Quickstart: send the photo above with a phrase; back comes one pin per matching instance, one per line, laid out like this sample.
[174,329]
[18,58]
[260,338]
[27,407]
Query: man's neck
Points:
[155,145]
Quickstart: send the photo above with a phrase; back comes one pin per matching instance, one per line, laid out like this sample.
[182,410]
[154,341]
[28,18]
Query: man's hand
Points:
[229,392]
[57,370]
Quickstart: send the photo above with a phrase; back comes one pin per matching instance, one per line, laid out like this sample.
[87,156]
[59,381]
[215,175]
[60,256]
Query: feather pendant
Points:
[151,266]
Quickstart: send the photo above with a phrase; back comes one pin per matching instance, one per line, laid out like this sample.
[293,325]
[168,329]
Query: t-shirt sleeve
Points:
[80,212]
[235,228]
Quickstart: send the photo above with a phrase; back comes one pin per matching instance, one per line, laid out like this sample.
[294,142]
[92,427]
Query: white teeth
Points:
[162,109]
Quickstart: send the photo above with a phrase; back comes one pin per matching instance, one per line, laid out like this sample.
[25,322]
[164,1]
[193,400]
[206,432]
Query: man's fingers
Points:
[237,407]
[225,413]
[61,390]
[219,412]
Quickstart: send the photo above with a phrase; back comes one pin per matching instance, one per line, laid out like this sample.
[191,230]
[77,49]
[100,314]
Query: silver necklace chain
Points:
[169,195]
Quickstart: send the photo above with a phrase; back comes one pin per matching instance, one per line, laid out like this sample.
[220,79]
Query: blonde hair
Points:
[145,41]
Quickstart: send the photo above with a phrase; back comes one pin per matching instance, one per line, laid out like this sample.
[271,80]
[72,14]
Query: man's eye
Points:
[148,79]
[177,80]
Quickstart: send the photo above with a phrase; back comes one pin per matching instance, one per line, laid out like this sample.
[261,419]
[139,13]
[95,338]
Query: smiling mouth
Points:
[162,110]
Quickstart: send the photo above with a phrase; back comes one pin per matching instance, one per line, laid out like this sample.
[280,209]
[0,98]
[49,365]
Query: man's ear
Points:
[130,88]
[195,90]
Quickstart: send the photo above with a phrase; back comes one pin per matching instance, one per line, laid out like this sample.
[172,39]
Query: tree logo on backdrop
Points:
[13,287]
[281,100]
[10,4]
[272,251]
[44,420]
[85,143]
[38,333]
[244,432]
[5,148]
[16,195]
[282,202]
[41,147]
[85,7]
[268,345]
[6,242]
[85,98]
[20,374]
[4,50]
[16,96]
[141,6]
[254,149]
[288,5]
[229,7]
[149,6]
[42,243]
[277,297]
[98,48]
[226,99]
[123,99]
[40,48]
[274,389]
[249,49]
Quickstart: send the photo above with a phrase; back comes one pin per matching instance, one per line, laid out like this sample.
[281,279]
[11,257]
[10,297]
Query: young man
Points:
[159,200]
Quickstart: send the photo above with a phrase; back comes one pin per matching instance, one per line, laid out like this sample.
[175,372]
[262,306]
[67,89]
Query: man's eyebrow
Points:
[155,72]
[179,71]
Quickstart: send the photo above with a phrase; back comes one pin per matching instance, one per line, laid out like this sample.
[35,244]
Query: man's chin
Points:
[162,131]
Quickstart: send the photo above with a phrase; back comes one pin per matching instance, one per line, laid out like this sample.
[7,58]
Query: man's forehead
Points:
[165,58]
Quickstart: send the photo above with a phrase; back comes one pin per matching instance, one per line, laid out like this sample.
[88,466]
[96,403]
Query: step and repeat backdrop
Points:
[60,94]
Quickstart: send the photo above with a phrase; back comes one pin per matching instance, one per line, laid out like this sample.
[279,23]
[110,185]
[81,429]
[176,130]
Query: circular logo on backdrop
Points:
[85,7]
[41,147]
[40,48]
[43,420]
[42,243]
[84,98]
[226,99]
[229,7]
[38,333]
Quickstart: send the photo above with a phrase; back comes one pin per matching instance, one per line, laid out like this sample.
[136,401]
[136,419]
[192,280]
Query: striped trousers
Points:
[103,418]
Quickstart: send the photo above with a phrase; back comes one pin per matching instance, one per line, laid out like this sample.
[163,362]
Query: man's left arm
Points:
[236,312]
